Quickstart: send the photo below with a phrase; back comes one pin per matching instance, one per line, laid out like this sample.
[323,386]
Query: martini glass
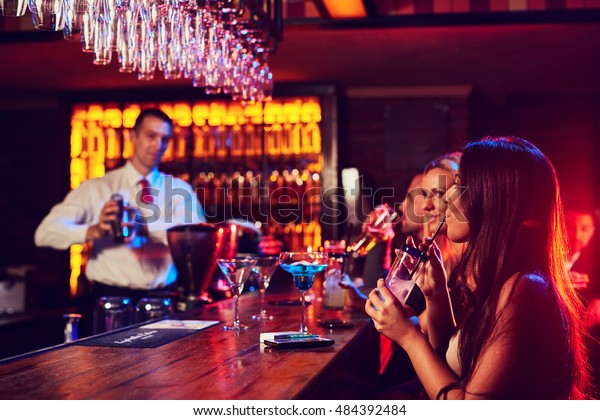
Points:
[303,266]
[236,271]
[264,269]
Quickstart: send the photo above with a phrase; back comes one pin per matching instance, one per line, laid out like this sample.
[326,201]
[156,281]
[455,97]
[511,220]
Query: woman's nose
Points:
[428,204]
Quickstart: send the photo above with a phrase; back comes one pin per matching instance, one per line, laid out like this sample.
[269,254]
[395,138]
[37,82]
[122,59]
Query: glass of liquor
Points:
[379,228]
[401,278]
[404,272]
[334,294]
[303,266]
[236,272]
[263,270]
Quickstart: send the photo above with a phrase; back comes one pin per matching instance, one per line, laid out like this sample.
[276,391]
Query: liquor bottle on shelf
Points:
[254,179]
[179,142]
[375,231]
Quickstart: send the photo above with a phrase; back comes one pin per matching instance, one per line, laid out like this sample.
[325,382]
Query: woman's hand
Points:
[378,226]
[389,317]
[580,281]
[432,278]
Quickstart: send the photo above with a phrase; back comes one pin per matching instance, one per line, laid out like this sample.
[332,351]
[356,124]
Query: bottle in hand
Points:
[375,231]
[119,233]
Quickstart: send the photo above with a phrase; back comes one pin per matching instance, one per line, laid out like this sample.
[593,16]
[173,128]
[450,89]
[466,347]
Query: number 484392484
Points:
[371,409]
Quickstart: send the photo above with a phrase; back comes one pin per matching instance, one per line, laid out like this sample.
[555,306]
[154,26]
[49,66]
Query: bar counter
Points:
[208,364]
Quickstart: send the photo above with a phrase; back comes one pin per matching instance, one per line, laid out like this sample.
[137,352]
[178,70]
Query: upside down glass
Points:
[112,312]
[47,15]
[303,266]
[13,7]
[74,15]
[150,308]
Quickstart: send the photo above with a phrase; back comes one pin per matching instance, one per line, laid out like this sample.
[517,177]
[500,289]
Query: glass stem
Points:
[263,311]
[236,319]
[303,328]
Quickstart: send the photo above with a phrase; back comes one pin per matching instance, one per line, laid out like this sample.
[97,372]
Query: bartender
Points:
[128,257]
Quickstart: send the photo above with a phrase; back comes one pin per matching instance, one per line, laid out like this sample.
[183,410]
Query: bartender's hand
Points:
[108,215]
[390,318]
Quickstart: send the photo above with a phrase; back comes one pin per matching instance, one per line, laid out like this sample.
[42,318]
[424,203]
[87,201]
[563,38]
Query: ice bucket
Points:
[195,249]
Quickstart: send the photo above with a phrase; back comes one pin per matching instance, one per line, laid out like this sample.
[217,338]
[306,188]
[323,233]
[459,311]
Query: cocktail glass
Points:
[263,270]
[236,272]
[303,266]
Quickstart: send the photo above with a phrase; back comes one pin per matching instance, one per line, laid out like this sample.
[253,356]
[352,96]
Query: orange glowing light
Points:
[182,113]
[130,113]
[200,113]
[345,9]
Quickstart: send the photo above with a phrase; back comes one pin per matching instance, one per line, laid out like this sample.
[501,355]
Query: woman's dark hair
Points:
[512,203]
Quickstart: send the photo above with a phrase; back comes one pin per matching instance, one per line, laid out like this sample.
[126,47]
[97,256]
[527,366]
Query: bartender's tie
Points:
[145,193]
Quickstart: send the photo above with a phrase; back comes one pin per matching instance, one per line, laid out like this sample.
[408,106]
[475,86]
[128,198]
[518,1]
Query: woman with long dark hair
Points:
[519,335]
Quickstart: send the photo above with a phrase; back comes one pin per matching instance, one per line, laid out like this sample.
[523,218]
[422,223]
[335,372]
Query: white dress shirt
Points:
[145,262]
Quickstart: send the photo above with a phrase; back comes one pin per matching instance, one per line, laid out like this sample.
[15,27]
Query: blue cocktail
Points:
[303,266]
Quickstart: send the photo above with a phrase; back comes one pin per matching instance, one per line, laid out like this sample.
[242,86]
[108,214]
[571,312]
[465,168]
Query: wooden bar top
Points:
[209,364]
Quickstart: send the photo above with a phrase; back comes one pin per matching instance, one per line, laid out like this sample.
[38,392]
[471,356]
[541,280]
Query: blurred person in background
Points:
[378,259]
[583,253]
[581,222]
[438,178]
[422,211]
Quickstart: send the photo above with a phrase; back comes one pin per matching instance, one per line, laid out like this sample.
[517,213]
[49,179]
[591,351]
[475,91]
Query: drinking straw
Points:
[422,256]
